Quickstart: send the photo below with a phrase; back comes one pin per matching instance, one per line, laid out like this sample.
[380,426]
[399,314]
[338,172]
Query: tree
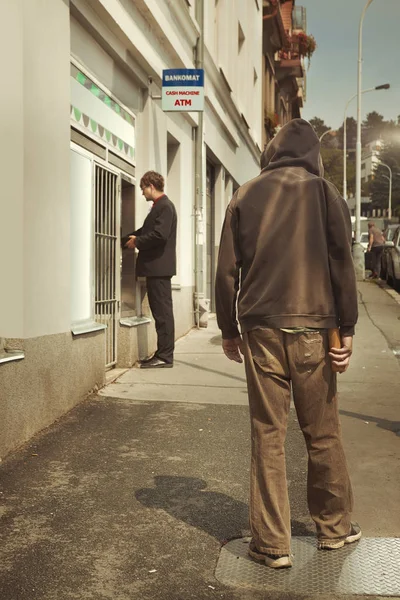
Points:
[379,185]
[319,126]
[333,166]
[374,127]
[351,131]
[333,169]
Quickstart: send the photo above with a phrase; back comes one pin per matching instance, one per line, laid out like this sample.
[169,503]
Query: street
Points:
[160,156]
[133,492]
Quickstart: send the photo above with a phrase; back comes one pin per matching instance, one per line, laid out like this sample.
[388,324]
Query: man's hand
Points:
[131,243]
[232,349]
[341,356]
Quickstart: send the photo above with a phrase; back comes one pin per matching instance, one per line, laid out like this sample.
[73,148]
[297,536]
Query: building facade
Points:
[81,122]
[284,73]
[370,160]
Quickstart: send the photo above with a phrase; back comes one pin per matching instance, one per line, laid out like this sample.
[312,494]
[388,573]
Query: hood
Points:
[296,145]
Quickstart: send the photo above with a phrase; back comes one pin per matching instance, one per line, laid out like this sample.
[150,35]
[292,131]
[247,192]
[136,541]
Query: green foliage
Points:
[333,166]
[319,126]
[374,127]
[351,130]
[379,186]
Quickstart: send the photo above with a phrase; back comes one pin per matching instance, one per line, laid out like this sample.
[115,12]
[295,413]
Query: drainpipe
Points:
[199,301]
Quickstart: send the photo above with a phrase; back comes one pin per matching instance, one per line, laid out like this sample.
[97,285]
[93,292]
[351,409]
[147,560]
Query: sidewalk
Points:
[130,495]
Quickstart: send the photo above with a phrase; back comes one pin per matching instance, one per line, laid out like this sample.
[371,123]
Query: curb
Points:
[389,290]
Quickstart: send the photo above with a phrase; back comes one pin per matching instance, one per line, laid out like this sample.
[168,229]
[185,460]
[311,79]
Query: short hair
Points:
[153,178]
[371,224]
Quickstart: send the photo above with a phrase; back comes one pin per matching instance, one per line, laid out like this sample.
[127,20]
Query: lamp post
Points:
[358,251]
[325,133]
[390,188]
[385,86]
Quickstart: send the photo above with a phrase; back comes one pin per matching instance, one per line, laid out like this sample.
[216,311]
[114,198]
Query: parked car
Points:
[392,261]
[389,233]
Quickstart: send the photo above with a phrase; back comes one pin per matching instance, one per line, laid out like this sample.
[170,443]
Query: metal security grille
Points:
[107,257]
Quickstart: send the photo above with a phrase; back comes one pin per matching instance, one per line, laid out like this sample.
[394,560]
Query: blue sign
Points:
[183,77]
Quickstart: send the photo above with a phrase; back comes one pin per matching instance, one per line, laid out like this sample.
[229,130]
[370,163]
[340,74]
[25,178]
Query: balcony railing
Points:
[299,45]
[300,18]
[292,50]
[289,61]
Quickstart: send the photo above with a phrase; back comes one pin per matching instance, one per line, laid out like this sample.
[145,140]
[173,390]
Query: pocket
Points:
[262,345]
[310,350]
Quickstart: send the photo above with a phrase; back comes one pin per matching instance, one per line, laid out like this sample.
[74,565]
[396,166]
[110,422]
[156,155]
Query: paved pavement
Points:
[130,495]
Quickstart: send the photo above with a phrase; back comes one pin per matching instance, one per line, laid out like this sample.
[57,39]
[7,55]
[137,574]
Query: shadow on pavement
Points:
[186,499]
[200,368]
[393,426]
[219,515]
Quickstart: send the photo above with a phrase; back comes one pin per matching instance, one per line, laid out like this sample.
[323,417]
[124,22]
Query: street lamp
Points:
[385,86]
[390,191]
[358,251]
[390,188]
[325,133]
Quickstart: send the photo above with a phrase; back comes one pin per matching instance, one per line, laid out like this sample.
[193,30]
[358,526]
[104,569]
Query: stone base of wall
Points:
[57,373]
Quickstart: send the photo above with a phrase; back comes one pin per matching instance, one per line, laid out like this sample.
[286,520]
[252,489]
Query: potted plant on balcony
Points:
[307,45]
[271,123]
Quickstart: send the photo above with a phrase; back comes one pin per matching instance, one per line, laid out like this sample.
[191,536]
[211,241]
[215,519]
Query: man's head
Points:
[152,185]
[371,224]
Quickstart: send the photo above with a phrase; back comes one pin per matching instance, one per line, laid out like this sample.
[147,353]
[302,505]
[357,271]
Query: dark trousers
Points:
[160,299]
[376,256]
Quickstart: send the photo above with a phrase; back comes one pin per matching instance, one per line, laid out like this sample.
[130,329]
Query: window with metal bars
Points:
[107,257]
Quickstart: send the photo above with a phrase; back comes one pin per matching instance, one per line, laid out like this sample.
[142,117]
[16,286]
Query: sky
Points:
[332,77]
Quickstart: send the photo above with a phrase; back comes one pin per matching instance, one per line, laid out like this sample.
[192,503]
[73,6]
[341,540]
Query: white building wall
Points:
[120,43]
[54,371]
[35,134]
[12,165]
[46,173]
[240,61]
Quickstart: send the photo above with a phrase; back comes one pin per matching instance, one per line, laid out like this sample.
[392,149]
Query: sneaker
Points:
[354,536]
[271,560]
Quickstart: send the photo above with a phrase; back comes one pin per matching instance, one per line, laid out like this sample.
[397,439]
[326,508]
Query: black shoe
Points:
[156,363]
[147,360]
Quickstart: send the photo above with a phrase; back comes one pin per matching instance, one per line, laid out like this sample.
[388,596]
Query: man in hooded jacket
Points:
[285,272]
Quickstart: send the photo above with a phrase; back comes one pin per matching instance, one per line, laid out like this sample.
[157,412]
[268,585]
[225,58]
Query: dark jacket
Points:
[287,235]
[156,241]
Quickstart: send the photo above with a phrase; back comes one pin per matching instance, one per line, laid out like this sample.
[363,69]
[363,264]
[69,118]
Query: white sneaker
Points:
[274,562]
[354,536]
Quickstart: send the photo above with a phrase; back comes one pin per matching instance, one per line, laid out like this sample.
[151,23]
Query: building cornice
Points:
[191,29]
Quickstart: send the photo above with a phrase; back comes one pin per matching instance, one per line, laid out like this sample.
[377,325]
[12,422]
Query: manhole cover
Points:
[368,567]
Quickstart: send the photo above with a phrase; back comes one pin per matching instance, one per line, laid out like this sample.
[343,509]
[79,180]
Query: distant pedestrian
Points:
[286,246]
[156,242]
[376,244]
